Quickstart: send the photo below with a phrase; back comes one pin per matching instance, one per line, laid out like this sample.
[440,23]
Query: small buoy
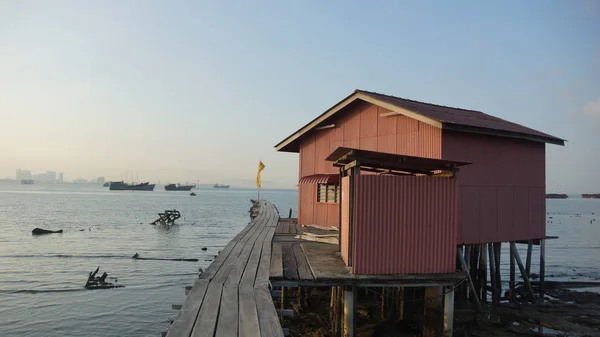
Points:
[193,194]
[204,248]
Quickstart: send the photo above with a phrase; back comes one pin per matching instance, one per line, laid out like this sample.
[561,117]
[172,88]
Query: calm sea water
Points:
[42,278]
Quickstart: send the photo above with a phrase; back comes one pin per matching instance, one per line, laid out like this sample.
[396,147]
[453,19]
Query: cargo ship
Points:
[178,187]
[122,186]
[26,181]
[220,186]
[591,196]
[556,196]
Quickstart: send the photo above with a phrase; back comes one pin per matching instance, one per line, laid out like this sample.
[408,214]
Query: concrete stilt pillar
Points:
[348,312]
[448,313]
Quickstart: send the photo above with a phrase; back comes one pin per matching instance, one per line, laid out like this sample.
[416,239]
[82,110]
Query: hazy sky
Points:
[200,90]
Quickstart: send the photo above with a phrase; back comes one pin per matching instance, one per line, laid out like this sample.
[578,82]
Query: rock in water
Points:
[40,231]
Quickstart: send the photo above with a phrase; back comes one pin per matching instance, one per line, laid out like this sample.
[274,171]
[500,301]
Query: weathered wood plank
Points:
[276,269]
[214,267]
[248,315]
[263,272]
[227,325]
[279,228]
[304,272]
[299,229]
[290,268]
[286,227]
[251,269]
[233,257]
[267,314]
[237,264]
[207,317]
[184,323]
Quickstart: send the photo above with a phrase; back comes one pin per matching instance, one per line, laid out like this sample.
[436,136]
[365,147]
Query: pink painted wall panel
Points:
[368,121]
[520,212]
[505,213]
[368,143]
[515,170]
[306,200]
[469,214]
[386,143]
[404,225]
[345,186]
[537,218]
[320,214]
[488,213]
[333,215]
[386,125]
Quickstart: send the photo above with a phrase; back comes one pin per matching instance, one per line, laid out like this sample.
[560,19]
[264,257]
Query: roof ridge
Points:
[415,101]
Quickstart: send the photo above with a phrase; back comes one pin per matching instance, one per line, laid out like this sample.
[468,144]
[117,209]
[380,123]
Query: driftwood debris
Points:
[40,231]
[99,282]
[137,257]
[167,218]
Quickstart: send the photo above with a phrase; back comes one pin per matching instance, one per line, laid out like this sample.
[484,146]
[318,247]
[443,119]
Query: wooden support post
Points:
[434,309]
[483,273]
[474,268]
[290,215]
[448,313]
[528,258]
[401,304]
[283,297]
[339,317]
[348,312]
[332,309]
[512,282]
[497,255]
[466,270]
[542,268]
[383,294]
[513,247]
[492,273]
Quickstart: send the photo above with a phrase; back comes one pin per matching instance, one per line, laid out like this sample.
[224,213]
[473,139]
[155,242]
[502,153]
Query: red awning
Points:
[320,179]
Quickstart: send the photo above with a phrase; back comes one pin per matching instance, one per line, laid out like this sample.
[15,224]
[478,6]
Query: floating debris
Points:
[136,256]
[167,218]
[99,282]
[40,231]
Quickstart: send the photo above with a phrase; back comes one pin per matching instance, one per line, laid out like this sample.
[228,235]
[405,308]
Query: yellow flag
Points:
[261,167]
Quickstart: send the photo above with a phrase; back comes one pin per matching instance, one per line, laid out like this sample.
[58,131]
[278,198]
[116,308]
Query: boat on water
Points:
[556,196]
[27,182]
[178,187]
[106,184]
[591,195]
[220,186]
[123,186]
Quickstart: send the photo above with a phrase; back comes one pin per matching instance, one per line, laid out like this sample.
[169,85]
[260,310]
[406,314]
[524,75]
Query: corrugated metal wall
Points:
[404,225]
[502,194]
[360,126]
[345,217]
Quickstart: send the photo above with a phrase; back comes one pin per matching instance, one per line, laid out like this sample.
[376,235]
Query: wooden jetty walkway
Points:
[232,297]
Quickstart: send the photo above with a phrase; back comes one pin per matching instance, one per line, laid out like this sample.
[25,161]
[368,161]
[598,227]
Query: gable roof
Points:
[444,117]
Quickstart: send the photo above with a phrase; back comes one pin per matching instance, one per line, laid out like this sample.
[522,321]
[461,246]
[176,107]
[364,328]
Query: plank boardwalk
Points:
[231,298]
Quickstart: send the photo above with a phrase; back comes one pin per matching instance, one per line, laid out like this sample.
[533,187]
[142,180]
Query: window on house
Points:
[328,193]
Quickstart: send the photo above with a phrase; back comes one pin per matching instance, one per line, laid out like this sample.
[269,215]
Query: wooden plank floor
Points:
[231,298]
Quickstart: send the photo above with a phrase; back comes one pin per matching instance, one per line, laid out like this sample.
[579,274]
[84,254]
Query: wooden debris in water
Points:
[99,282]
[167,218]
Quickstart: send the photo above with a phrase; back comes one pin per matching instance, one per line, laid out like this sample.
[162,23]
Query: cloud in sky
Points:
[592,109]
